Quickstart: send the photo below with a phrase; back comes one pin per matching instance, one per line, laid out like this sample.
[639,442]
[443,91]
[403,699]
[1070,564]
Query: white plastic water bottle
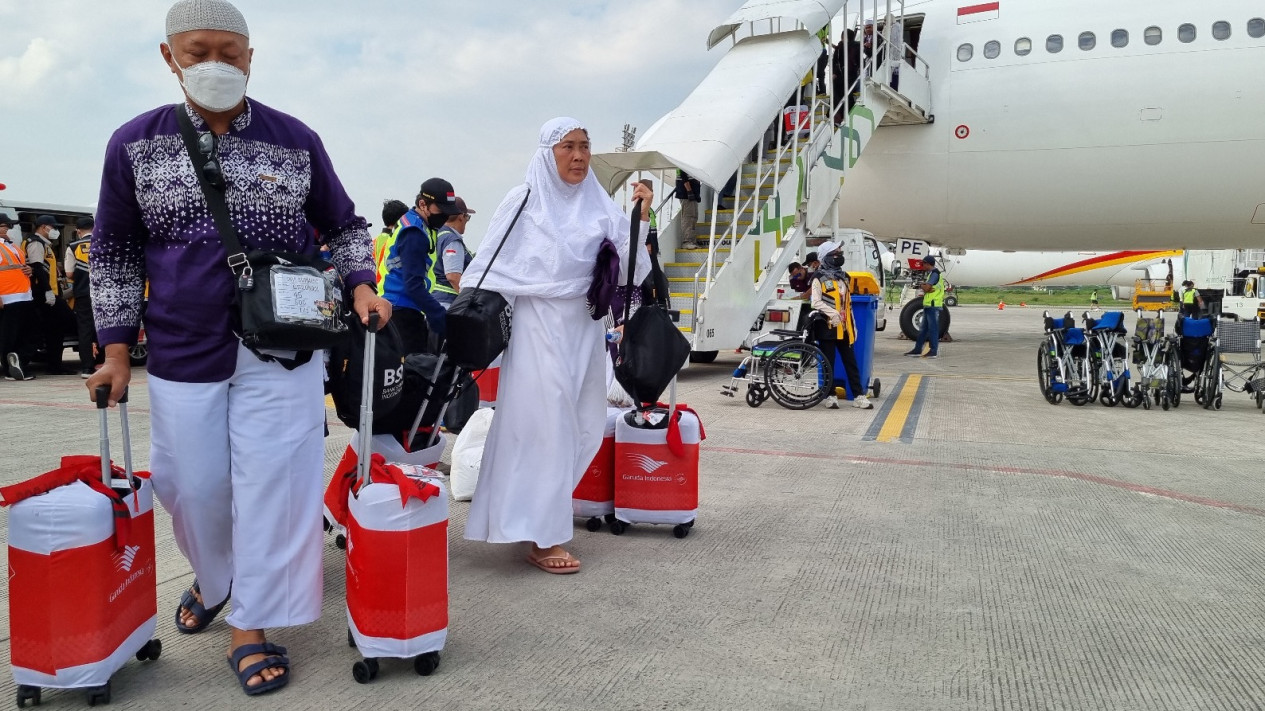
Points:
[613,336]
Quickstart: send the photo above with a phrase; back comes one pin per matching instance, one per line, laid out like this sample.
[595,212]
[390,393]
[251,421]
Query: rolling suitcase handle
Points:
[421,411]
[365,433]
[102,397]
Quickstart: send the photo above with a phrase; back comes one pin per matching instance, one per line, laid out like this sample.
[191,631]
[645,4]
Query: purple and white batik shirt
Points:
[153,223]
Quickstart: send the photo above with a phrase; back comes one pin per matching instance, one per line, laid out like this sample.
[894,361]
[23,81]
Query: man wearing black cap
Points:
[411,267]
[76,267]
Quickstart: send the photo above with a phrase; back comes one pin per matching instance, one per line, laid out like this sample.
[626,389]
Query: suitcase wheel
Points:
[340,542]
[426,664]
[152,650]
[365,671]
[680,531]
[610,518]
[594,524]
[28,693]
[99,694]
[618,527]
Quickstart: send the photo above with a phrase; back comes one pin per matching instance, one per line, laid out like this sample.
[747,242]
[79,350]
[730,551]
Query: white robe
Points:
[549,424]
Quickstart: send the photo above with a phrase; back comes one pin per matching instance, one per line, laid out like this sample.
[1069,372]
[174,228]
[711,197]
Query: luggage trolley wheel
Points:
[618,527]
[426,664]
[594,524]
[340,542]
[876,387]
[681,530]
[99,694]
[365,670]
[28,693]
[152,650]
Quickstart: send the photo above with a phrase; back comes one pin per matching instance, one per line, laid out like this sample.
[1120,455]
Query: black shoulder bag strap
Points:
[218,206]
[214,200]
[508,230]
[633,248]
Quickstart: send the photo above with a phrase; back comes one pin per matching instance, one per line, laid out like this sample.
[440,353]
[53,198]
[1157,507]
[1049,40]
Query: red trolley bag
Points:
[489,383]
[656,468]
[397,558]
[83,595]
[594,496]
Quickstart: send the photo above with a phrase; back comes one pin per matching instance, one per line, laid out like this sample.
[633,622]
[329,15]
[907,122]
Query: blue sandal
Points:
[276,658]
[203,614]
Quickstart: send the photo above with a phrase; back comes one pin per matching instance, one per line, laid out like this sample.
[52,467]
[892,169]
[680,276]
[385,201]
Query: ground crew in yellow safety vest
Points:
[49,307]
[17,310]
[1192,302]
[932,302]
[392,211]
[837,331]
[77,270]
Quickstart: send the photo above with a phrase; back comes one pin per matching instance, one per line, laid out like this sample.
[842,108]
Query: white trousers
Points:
[239,465]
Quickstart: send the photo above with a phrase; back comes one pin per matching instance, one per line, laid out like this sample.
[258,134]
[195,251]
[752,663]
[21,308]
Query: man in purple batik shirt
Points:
[237,449]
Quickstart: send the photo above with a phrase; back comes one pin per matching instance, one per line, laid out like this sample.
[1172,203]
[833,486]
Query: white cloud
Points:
[400,91]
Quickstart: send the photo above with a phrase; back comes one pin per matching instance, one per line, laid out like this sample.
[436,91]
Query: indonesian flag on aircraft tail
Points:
[978,13]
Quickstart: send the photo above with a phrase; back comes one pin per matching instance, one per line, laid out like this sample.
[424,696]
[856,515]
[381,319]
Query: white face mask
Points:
[215,86]
[53,235]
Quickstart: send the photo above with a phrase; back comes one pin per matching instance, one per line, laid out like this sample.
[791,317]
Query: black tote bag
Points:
[653,349]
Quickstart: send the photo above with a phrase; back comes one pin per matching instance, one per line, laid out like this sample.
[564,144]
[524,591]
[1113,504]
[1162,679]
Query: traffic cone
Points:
[1001,305]
[1023,304]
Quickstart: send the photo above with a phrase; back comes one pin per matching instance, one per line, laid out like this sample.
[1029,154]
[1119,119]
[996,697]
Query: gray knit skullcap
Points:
[190,15]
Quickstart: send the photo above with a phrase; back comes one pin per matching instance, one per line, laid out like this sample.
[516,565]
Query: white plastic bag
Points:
[467,454]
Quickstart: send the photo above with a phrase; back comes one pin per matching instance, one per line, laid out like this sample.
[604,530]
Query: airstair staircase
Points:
[787,189]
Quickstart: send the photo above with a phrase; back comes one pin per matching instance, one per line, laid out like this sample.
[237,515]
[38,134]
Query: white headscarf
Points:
[553,249]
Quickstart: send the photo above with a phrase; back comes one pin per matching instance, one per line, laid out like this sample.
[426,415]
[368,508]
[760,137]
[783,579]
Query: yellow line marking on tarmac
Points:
[895,421]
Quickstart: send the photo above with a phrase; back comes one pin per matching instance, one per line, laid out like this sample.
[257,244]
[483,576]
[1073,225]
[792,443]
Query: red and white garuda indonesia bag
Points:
[594,496]
[396,519]
[489,383]
[656,468]
[82,585]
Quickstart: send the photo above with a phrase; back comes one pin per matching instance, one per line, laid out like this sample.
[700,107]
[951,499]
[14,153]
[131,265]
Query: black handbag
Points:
[288,301]
[653,350]
[478,321]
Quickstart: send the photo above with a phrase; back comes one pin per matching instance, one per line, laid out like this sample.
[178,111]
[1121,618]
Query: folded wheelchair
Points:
[1109,356]
[1157,370]
[1063,363]
[1232,362]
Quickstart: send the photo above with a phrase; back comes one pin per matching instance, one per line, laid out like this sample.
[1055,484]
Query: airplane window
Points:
[992,49]
[1054,44]
[965,52]
[1221,30]
[1153,35]
[1087,41]
[1256,27]
[1023,46]
[1186,33]
[1120,38]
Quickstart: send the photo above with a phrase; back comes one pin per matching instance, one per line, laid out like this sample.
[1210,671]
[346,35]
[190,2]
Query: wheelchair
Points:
[785,366]
[1157,365]
[1063,364]
[1108,356]
[1232,362]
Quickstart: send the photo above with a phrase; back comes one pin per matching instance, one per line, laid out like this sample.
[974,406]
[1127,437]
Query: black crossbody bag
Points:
[287,301]
[479,319]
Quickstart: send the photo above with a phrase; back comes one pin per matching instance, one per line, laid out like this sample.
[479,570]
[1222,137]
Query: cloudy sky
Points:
[399,90]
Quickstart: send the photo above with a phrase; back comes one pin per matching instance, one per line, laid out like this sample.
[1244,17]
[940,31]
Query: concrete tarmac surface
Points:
[964,545]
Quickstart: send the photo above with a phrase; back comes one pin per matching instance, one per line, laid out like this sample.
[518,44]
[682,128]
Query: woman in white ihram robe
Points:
[551,405]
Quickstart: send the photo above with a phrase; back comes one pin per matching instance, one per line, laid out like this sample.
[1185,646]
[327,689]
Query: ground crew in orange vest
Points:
[17,310]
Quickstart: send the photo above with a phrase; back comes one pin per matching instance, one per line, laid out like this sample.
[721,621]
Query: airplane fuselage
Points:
[1142,146]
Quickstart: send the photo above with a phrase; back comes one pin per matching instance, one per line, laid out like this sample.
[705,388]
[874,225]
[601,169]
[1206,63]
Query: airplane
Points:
[998,125]
[1076,125]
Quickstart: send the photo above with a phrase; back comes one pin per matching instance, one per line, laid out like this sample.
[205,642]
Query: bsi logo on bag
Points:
[392,382]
